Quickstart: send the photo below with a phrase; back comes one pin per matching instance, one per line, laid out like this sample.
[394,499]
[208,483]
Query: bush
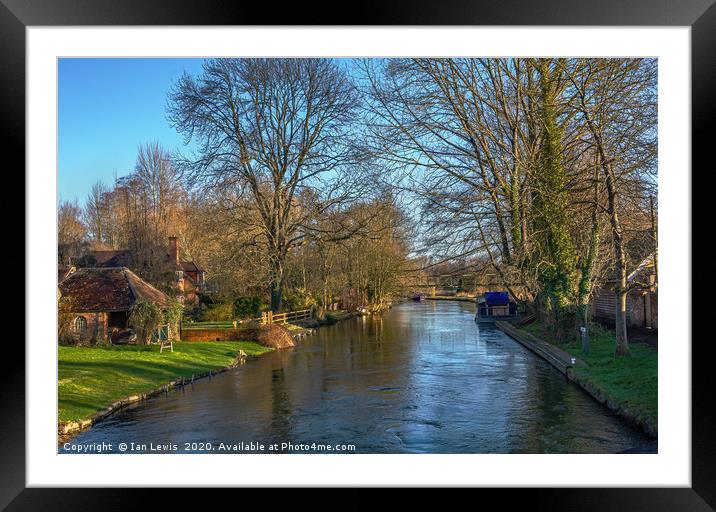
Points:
[297,299]
[145,318]
[247,307]
[173,312]
[221,312]
[205,299]
[65,318]
[274,336]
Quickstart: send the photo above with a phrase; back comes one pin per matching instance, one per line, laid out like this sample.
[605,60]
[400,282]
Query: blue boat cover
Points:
[497,298]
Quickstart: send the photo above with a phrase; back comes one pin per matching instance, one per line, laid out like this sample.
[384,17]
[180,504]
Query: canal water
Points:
[420,378]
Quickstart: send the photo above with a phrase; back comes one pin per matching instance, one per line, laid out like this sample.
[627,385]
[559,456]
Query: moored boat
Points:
[495,306]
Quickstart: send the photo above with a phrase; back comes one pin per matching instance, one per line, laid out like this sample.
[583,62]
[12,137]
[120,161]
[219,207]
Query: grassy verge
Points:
[92,378]
[630,384]
[208,325]
[335,316]
[293,327]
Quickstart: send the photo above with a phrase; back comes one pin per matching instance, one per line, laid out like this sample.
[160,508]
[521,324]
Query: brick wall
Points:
[96,331]
[218,334]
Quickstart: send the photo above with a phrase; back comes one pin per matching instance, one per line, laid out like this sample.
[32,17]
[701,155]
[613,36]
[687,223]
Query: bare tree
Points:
[96,212]
[617,101]
[461,136]
[158,183]
[270,129]
[71,231]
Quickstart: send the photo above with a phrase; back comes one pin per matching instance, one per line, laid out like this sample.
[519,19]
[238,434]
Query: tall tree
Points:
[461,136]
[267,130]
[97,213]
[71,231]
[550,202]
[617,102]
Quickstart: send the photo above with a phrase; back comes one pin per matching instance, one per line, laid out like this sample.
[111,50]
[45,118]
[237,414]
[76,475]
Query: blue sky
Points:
[106,109]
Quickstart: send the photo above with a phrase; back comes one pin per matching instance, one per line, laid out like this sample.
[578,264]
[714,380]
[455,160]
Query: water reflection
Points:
[422,378]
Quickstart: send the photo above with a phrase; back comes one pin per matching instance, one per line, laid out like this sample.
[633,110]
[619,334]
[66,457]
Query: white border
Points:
[671,467]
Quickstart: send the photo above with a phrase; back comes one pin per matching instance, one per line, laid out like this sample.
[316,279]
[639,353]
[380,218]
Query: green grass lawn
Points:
[631,382]
[92,378]
[207,325]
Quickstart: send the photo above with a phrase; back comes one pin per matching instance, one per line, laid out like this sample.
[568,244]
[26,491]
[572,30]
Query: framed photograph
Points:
[424,249]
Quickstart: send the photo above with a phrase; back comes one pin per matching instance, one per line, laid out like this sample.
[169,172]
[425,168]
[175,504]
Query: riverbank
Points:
[450,297]
[94,382]
[628,386]
[330,318]
[229,331]
[333,317]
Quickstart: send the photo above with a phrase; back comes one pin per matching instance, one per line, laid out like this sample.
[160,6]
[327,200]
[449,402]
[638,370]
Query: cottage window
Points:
[80,324]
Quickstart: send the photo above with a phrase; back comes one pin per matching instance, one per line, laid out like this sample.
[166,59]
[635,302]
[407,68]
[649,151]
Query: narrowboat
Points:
[495,306]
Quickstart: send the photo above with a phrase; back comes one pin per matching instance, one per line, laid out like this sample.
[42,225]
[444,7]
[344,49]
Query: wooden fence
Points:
[284,318]
[266,318]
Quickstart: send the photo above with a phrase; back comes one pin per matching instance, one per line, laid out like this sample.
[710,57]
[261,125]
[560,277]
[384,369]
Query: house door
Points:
[117,319]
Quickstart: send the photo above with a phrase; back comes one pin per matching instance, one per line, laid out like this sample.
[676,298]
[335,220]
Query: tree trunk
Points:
[622,344]
[584,289]
[276,285]
[550,204]
[276,297]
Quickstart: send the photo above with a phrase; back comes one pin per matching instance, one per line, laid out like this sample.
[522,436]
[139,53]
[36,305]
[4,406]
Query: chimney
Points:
[174,248]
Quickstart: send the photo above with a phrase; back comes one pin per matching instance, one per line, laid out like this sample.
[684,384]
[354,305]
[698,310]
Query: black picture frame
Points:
[700,15]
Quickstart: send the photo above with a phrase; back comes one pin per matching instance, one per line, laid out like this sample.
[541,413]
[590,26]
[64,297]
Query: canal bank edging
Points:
[562,361]
[555,356]
[71,428]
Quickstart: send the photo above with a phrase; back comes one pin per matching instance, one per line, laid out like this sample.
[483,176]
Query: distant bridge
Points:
[452,281]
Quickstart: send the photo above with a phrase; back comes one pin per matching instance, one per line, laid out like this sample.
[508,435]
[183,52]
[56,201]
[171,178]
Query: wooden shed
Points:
[642,299]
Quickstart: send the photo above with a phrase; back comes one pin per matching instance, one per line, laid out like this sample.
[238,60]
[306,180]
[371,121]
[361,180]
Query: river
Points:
[420,378]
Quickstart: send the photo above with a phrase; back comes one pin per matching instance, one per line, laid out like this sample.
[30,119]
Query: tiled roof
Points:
[643,270]
[189,266]
[118,258]
[95,290]
[63,271]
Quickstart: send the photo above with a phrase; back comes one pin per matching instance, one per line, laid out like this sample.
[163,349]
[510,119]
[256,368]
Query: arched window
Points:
[80,324]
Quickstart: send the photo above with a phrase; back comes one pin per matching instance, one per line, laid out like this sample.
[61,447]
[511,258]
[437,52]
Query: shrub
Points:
[274,336]
[173,312]
[65,318]
[297,299]
[221,312]
[205,299]
[145,318]
[247,307]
